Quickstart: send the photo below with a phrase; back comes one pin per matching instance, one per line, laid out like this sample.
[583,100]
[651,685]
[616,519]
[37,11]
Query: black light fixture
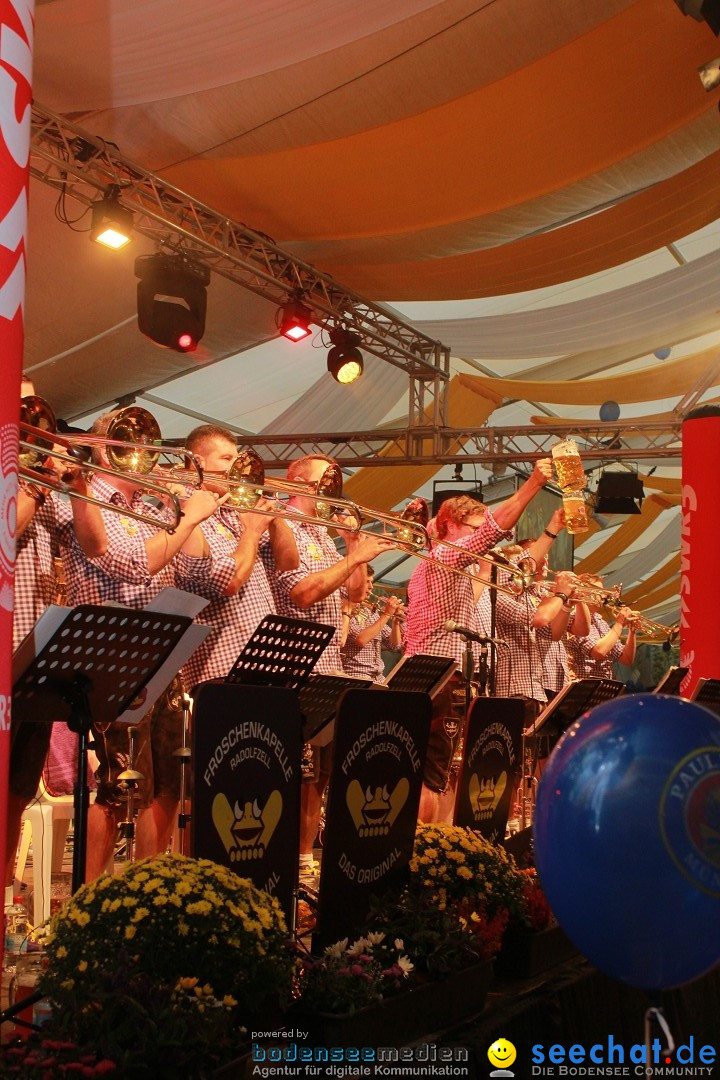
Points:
[619,492]
[112,223]
[294,320]
[703,10]
[344,361]
[473,488]
[172,300]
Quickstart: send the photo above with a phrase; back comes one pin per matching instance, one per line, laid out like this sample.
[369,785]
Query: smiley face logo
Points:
[501,1054]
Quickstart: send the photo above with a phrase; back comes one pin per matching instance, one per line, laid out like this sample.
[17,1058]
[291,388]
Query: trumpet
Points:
[40,440]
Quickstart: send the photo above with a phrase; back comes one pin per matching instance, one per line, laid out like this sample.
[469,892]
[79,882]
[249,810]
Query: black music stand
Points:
[707,693]
[98,660]
[422,674]
[569,705]
[671,680]
[318,699]
[282,651]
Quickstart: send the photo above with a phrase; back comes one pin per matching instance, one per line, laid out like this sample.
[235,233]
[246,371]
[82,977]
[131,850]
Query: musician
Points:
[437,594]
[309,578]
[220,561]
[571,614]
[592,655]
[40,515]
[367,630]
[520,620]
[133,564]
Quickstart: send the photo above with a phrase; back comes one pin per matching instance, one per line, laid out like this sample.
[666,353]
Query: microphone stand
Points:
[483,670]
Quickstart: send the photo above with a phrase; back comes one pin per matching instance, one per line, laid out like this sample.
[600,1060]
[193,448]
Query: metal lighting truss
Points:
[83,166]
[602,442]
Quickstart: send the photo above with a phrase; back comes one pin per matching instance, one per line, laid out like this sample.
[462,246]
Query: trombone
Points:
[414,519]
[39,441]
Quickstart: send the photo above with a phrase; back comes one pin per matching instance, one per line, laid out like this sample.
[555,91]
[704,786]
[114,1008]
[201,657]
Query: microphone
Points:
[481,639]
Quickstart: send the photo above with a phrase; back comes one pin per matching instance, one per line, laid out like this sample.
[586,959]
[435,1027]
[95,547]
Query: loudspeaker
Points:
[474,490]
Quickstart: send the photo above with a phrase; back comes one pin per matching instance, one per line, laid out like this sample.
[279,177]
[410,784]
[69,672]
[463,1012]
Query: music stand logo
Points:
[485,793]
[501,1054]
[246,831]
[375,809]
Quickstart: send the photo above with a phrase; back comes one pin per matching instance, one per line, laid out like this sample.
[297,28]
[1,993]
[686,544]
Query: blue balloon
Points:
[627,838]
[662,354]
[609,410]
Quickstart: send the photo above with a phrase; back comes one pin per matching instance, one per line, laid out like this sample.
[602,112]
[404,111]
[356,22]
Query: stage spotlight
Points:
[619,493]
[172,300]
[112,223]
[295,321]
[344,361]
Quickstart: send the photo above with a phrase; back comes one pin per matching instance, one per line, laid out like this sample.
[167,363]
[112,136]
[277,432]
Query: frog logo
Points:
[485,793]
[375,809]
[246,832]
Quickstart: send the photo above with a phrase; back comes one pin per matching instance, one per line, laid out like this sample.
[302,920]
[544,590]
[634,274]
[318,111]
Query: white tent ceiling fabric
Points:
[651,308]
[168,83]
[643,562]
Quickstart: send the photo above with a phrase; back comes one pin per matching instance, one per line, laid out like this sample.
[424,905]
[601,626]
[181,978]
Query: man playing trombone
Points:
[133,564]
[436,594]
[40,516]
[220,561]
[310,578]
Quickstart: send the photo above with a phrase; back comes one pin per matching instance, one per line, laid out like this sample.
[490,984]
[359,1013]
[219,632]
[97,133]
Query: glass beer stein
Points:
[576,518]
[568,466]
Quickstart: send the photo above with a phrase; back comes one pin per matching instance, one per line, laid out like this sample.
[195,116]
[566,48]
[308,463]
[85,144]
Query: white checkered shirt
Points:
[582,665]
[518,665]
[436,595]
[316,551]
[121,574]
[233,618]
[366,659]
[37,548]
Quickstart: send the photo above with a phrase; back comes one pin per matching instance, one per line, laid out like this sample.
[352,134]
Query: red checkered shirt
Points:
[121,574]
[37,548]
[316,551]
[518,665]
[436,595]
[366,659]
[582,665]
[233,618]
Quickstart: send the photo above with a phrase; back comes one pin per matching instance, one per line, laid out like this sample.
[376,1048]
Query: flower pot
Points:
[426,1009]
[526,952]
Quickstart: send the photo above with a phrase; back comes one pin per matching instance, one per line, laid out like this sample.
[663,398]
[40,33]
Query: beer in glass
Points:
[568,466]
[576,519]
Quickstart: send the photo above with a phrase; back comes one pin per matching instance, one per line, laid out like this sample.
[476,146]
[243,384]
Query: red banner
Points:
[699,576]
[16,39]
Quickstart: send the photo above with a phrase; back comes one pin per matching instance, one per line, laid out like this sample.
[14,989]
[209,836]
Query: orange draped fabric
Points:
[661,380]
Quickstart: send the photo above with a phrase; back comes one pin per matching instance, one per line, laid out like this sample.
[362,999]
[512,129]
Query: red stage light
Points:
[295,324]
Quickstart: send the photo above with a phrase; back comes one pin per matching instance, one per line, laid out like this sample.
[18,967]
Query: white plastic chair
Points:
[45,823]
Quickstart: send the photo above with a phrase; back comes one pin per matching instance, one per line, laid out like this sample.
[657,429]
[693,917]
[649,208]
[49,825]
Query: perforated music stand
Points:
[95,664]
[318,700]
[569,705]
[282,651]
[707,693]
[422,674]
